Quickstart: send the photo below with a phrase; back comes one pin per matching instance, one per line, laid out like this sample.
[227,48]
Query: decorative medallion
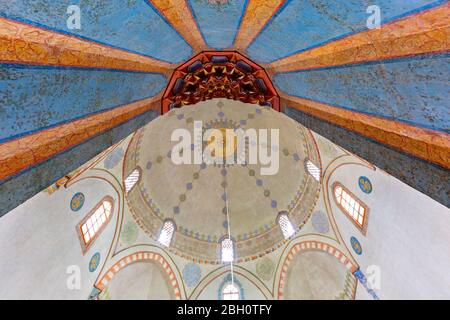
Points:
[320,222]
[192,274]
[265,268]
[356,245]
[227,154]
[77,201]
[129,233]
[94,262]
[365,185]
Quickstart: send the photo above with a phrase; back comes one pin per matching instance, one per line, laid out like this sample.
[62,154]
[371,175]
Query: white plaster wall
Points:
[407,237]
[140,281]
[38,241]
[315,275]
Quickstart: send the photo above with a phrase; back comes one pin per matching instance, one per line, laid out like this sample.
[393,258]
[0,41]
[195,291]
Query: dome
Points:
[195,196]
[224,149]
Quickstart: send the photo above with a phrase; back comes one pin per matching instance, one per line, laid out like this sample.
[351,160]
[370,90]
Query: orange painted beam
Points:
[180,17]
[26,44]
[257,15]
[426,144]
[25,152]
[422,33]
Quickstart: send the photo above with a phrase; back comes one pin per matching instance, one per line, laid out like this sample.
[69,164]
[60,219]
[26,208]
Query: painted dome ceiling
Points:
[195,196]
[78,80]
[74,73]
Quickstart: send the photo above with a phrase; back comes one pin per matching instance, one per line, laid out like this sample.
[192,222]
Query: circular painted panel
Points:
[356,245]
[320,222]
[365,185]
[130,233]
[77,201]
[265,268]
[94,262]
[191,274]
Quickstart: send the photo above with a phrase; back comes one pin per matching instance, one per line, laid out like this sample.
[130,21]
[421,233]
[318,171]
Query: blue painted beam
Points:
[411,90]
[218,22]
[20,188]
[33,98]
[135,25]
[304,24]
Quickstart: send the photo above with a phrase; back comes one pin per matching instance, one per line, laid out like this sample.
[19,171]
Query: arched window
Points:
[227,250]
[166,234]
[132,179]
[313,170]
[353,208]
[230,292]
[285,224]
[93,224]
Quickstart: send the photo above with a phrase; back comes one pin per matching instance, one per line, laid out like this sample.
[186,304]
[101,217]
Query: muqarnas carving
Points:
[212,75]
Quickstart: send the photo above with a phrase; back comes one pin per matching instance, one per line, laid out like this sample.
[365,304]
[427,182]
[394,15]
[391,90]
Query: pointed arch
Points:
[140,257]
[309,245]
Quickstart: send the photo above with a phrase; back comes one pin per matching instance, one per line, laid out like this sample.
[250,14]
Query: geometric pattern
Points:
[265,196]
[219,74]
[191,274]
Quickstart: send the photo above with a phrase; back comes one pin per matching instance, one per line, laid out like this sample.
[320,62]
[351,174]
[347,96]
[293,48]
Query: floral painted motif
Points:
[356,245]
[129,233]
[320,222]
[365,185]
[77,201]
[94,262]
[192,274]
[265,268]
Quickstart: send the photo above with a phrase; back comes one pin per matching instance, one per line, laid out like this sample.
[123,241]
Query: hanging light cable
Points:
[229,234]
